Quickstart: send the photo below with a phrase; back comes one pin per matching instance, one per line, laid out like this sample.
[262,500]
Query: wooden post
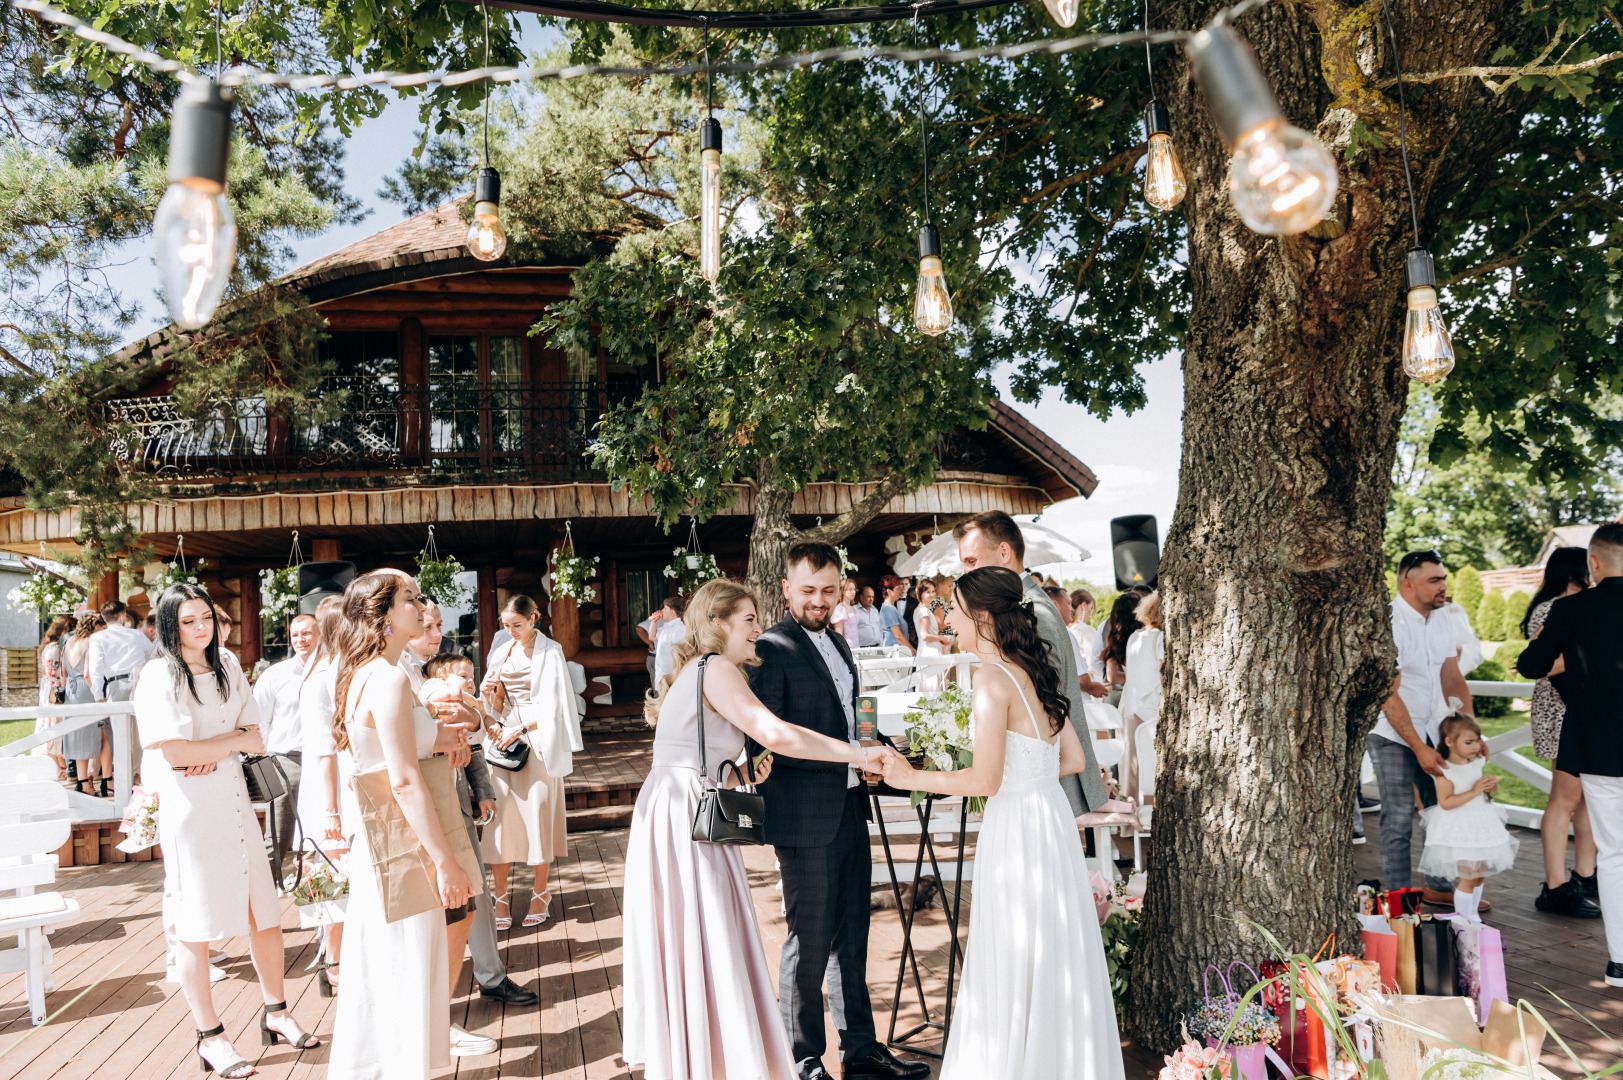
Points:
[326,550]
[485,583]
[414,397]
[252,632]
[106,589]
[609,583]
[565,616]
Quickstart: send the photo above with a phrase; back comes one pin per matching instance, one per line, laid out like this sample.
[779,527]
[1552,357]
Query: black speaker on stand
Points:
[1135,549]
[319,580]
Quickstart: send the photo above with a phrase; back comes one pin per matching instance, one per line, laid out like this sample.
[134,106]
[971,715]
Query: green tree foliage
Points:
[1489,707]
[1516,606]
[1467,592]
[1490,617]
[1486,506]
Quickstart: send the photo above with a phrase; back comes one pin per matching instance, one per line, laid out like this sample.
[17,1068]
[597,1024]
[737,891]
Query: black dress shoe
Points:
[1567,899]
[509,992]
[881,1062]
[817,1073]
[1614,974]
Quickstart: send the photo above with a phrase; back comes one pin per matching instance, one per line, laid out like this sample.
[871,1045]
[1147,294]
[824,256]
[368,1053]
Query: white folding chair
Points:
[1144,747]
[34,824]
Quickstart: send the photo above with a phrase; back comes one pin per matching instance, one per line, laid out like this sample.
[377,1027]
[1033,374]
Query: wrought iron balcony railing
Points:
[366,424]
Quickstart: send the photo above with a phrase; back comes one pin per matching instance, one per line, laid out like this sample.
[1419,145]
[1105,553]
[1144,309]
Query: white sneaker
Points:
[215,975]
[465,1043]
[216,955]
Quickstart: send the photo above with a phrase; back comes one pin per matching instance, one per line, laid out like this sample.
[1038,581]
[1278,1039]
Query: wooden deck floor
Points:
[118,1018]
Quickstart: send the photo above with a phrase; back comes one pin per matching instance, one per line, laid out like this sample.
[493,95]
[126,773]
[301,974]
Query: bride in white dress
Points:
[1036,1001]
[394,1011]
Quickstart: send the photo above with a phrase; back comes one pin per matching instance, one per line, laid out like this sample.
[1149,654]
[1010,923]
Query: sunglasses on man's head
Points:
[1418,558]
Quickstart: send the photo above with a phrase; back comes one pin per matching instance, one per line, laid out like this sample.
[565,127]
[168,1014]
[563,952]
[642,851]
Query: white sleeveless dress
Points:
[394,1004]
[1036,1001]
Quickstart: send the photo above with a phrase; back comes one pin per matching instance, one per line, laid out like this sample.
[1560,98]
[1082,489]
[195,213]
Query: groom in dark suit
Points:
[817,820]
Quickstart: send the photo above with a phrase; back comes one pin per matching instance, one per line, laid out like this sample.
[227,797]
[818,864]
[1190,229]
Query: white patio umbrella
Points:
[1043,546]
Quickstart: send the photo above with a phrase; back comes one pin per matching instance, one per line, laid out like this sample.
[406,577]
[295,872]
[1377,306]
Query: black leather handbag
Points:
[266,781]
[512,759]
[726,817]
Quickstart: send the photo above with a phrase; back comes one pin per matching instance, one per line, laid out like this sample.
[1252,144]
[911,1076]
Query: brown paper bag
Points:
[1407,970]
[405,874]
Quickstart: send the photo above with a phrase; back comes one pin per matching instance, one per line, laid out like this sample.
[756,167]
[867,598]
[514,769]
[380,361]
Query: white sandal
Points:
[538,914]
[504,922]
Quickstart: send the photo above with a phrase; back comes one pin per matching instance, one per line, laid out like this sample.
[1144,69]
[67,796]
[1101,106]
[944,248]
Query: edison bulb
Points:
[1428,354]
[1063,11]
[197,247]
[710,214]
[486,237]
[1282,179]
[932,305]
[1163,176]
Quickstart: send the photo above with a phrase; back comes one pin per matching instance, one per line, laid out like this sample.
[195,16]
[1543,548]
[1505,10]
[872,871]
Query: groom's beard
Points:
[813,617]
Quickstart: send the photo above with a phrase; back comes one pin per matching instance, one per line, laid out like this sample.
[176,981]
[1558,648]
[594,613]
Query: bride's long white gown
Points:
[1036,1001]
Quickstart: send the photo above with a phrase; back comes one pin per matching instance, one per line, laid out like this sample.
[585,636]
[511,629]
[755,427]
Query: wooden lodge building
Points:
[457,418]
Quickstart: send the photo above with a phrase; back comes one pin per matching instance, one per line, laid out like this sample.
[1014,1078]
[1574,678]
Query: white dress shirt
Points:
[1091,644]
[665,638]
[1424,646]
[277,695]
[843,682]
[115,651]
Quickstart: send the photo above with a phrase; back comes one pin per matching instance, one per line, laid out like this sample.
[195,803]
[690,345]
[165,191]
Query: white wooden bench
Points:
[34,824]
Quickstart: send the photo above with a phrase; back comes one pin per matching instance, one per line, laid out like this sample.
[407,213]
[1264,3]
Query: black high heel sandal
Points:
[233,1071]
[324,981]
[302,1040]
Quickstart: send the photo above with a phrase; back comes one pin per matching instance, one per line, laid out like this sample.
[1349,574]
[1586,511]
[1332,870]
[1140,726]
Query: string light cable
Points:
[1428,351]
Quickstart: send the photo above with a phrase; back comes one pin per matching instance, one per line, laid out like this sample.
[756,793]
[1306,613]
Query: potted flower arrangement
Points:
[1242,1029]
[279,592]
[572,574]
[690,569]
[46,593]
[940,736]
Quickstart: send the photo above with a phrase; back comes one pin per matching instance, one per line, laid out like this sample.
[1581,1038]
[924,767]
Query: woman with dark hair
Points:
[1036,1002]
[394,1013]
[194,714]
[1566,572]
[528,683]
[1119,629]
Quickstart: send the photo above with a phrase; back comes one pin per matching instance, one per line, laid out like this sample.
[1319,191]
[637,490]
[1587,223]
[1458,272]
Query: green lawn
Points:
[1512,789]
[12,730]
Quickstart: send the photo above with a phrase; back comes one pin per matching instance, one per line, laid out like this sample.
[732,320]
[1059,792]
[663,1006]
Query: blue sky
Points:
[1135,457]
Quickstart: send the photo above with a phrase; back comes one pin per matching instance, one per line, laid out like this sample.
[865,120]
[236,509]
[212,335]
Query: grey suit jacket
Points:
[1085,790]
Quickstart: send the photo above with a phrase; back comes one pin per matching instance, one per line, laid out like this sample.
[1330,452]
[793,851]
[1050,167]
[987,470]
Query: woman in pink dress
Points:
[699,1001]
[845,612]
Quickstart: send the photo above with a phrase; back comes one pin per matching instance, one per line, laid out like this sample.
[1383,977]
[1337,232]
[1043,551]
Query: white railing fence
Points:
[1502,751]
[73,717]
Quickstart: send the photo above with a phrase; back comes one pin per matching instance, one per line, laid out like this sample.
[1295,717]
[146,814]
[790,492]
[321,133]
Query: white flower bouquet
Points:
[571,574]
[940,734]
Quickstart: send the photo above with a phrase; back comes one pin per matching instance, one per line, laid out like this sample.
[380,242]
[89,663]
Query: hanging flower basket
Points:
[846,565]
[690,569]
[46,594]
[279,592]
[572,574]
[173,574]
[437,577]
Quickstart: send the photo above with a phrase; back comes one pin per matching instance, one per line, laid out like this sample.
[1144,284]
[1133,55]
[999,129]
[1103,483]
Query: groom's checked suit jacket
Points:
[804,799]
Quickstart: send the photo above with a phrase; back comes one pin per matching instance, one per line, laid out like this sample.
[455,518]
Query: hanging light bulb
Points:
[1428,354]
[194,229]
[1281,178]
[710,199]
[486,237]
[1063,11]
[932,305]
[1163,176]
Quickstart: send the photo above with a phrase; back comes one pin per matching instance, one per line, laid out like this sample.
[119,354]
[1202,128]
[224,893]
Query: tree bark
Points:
[1279,648]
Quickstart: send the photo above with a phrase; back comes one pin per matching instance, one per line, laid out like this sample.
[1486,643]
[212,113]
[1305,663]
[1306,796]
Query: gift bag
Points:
[1400,902]
[1369,897]
[1404,972]
[1435,959]
[140,824]
[1480,953]
[1381,949]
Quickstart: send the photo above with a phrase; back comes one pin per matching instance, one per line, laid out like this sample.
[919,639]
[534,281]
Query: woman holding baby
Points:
[528,683]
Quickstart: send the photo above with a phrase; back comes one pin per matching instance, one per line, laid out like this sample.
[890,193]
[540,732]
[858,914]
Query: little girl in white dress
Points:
[1466,838]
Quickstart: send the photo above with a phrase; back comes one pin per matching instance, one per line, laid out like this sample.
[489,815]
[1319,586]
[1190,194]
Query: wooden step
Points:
[596,710]
[599,817]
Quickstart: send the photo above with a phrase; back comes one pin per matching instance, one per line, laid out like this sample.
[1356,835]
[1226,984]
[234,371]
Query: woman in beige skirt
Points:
[528,682]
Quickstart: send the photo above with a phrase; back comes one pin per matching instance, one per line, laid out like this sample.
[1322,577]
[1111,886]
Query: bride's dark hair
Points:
[994,598]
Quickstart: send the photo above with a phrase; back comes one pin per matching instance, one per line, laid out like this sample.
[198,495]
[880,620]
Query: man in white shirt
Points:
[668,630]
[1403,744]
[277,695]
[115,654]
[648,634]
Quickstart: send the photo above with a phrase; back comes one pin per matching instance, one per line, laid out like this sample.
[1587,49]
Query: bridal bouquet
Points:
[322,892]
[941,733]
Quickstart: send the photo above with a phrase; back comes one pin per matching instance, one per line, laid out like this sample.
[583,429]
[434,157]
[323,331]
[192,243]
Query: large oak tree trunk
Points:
[1279,649]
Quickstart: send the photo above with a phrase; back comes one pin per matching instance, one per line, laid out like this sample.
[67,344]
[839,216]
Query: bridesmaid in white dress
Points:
[194,714]
[1036,1002]
[699,1000]
[394,1012]
[932,642]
